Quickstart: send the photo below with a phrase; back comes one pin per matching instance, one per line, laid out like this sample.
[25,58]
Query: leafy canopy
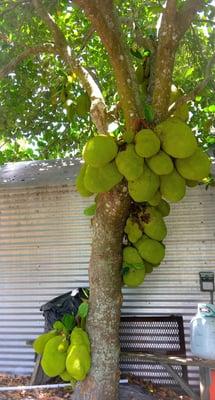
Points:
[40,99]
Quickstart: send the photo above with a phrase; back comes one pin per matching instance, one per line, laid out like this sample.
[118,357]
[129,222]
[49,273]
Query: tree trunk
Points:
[105,296]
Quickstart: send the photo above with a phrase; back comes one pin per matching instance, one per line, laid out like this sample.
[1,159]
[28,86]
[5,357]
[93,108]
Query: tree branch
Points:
[164,61]
[98,107]
[5,38]
[186,15]
[103,17]
[193,93]
[31,51]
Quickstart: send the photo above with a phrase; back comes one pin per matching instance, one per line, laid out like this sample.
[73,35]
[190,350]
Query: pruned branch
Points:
[186,15]
[98,107]
[102,15]
[31,51]
[198,89]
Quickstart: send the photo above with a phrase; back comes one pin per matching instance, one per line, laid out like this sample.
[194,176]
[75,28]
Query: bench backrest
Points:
[154,334]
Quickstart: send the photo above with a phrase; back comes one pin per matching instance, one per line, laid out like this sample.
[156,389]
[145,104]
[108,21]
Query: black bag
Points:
[66,303]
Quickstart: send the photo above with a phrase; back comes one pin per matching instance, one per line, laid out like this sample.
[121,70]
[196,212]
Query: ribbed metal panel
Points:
[44,251]
[45,248]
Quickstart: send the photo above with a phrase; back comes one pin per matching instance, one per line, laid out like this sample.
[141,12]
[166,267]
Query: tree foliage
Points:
[39,96]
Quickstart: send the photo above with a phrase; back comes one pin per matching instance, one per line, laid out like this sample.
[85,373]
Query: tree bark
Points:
[105,296]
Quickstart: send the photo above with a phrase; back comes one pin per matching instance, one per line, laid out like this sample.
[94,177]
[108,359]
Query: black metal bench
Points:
[156,335]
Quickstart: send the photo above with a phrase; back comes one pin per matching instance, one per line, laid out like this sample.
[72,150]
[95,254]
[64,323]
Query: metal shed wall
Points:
[45,248]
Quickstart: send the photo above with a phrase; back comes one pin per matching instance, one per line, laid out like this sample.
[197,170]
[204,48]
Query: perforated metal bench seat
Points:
[160,334]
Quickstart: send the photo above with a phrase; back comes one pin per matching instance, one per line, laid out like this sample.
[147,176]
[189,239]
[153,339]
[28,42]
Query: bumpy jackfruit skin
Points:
[129,163]
[40,342]
[79,336]
[177,139]
[160,163]
[150,250]
[100,150]
[172,187]
[146,143]
[134,277]
[80,182]
[131,256]
[155,199]
[78,362]
[98,180]
[63,346]
[145,187]
[182,112]
[133,230]
[195,167]
[163,207]
[153,224]
[82,104]
[53,361]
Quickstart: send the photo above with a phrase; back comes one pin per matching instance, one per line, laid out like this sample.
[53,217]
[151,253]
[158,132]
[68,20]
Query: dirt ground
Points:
[159,393]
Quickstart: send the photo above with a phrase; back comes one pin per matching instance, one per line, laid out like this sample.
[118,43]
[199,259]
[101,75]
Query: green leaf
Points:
[136,53]
[90,211]
[189,72]
[58,326]
[83,310]
[149,113]
[69,321]
[210,140]
[210,108]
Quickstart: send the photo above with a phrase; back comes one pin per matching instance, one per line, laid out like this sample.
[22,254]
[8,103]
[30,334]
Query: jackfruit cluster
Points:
[156,164]
[64,353]
[145,230]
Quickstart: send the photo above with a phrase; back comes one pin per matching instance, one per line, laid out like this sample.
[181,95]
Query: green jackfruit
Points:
[148,267]
[65,376]
[103,179]
[153,224]
[172,187]
[131,256]
[182,112]
[150,250]
[79,336]
[100,150]
[83,104]
[63,346]
[155,199]
[163,207]
[177,139]
[129,163]
[40,342]
[160,163]
[195,167]
[78,362]
[133,230]
[134,277]
[146,143]
[190,183]
[145,187]
[80,183]
[53,361]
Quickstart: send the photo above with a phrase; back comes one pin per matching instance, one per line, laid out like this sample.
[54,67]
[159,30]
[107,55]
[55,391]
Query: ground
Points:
[159,393]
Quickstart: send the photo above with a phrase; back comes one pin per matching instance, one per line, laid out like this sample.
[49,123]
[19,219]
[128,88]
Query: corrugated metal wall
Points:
[45,248]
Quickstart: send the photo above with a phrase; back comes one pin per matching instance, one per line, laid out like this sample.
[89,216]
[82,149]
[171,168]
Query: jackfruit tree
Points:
[128,87]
